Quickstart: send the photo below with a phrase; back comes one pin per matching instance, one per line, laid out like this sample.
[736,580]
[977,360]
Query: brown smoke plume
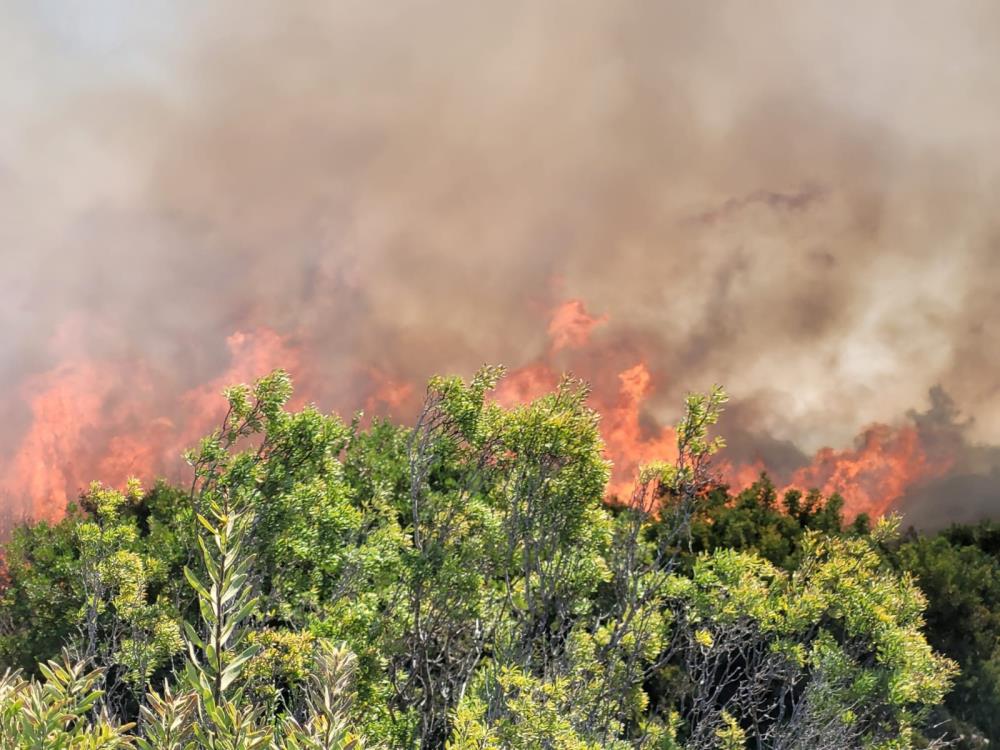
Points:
[795,200]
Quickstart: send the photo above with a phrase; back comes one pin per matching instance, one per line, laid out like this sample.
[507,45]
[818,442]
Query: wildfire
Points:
[526,384]
[387,392]
[251,354]
[872,477]
[627,444]
[66,404]
[104,420]
[571,325]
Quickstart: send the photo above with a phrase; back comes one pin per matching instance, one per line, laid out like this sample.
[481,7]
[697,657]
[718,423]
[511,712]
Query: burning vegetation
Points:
[794,199]
[105,420]
[461,584]
[654,198]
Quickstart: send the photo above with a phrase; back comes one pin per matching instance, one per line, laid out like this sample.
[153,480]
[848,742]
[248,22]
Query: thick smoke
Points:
[795,200]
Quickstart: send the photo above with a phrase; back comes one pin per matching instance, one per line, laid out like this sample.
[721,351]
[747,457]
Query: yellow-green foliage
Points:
[731,735]
[458,585]
[144,634]
[283,662]
[531,715]
[58,712]
[842,615]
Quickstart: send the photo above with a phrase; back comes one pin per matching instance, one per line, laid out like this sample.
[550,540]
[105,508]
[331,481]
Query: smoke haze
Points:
[795,200]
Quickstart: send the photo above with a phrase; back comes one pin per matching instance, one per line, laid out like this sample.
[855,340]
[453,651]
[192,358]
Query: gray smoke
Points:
[795,200]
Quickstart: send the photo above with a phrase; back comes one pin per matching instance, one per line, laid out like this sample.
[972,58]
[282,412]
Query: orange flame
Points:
[875,475]
[626,443]
[387,392]
[66,404]
[570,325]
[99,420]
[740,476]
[251,355]
[526,384]
[93,419]
[628,446]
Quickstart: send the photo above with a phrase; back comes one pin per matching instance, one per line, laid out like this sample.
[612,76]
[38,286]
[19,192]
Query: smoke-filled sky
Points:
[796,200]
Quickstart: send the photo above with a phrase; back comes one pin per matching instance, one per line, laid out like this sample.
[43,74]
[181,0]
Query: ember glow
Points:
[654,197]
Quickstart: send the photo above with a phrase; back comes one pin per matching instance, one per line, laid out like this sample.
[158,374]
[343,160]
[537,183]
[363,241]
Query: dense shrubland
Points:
[461,584]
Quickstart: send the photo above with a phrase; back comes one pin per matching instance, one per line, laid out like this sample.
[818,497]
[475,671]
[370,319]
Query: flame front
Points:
[102,420]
